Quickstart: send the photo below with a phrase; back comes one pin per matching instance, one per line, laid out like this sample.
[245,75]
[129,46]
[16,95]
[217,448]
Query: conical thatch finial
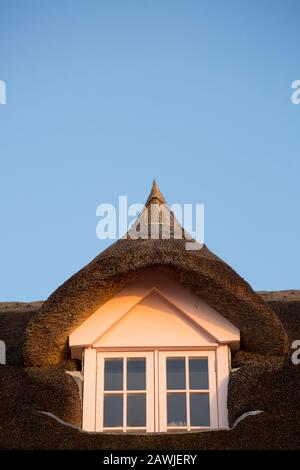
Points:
[155,195]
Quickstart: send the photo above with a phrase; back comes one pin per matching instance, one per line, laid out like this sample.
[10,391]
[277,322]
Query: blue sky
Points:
[103,96]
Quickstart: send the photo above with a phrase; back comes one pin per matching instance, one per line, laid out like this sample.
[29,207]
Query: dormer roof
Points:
[201,271]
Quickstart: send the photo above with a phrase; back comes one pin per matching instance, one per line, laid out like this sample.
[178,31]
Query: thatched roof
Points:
[200,270]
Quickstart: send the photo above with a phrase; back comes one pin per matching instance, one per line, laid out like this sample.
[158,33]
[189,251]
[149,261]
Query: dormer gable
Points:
[155,310]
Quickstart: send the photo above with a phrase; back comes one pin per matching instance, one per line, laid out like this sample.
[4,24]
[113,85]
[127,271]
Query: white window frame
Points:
[156,391]
[162,358]
[149,391]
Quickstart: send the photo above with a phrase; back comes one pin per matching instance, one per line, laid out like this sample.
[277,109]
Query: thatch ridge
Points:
[280,295]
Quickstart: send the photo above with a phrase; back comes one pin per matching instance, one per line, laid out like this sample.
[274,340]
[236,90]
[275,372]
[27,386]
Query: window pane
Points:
[113,411]
[136,374]
[198,373]
[113,374]
[136,410]
[176,373]
[176,409]
[199,406]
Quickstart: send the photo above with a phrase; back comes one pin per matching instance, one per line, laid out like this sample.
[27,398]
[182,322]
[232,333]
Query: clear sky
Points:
[103,96]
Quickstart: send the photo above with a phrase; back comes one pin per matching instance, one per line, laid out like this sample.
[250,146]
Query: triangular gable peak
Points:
[157,221]
[155,322]
[155,310]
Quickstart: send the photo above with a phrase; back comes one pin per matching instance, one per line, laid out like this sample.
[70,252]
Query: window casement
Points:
[125,392]
[187,390]
[155,391]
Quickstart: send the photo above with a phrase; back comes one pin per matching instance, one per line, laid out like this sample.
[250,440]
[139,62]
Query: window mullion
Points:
[156,391]
[187,386]
[124,394]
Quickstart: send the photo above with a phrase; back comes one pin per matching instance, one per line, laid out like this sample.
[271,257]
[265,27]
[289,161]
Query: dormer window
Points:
[156,359]
[153,324]
[156,391]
